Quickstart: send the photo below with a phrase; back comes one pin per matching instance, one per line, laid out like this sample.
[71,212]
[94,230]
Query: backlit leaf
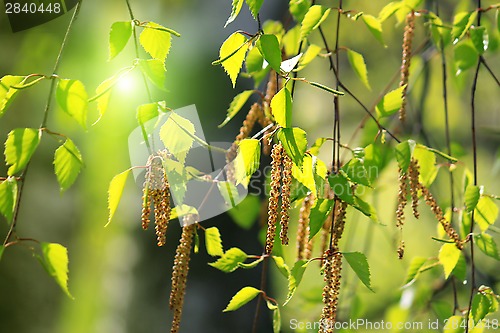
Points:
[479,38]
[269,47]
[390,103]
[115,191]
[461,24]
[487,245]
[235,10]
[465,56]
[294,278]
[471,196]
[236,104]
[313,19]
[359,66]
[310,54]
[375,26]
[232,53]
[254,6]
[67,164]
[404,153]
[454,324]
[414,269]
[73,99]
[118,37]
[448,257]
[247,161]
[154,70]
[55,260]
[20,145]
[359,265]
[6,92]
[177,134]
[299,8]
[341,187]
[213,242]
[229,192]
[389,10]
[427,164]
[294,141]
[281,107]
[480,307]
[242,297]
[485,213]
[230,260]
[8,198]
[156,41]
[318,215]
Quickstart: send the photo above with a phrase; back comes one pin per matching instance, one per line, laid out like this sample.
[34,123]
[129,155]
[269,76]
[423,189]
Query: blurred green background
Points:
[119,278]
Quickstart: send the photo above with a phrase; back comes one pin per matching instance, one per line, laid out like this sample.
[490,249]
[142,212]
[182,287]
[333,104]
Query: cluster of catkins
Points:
[406,59]
[410,180]
[156,191]
[281,180]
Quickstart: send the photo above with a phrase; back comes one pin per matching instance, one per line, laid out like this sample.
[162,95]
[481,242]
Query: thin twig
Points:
[483,61]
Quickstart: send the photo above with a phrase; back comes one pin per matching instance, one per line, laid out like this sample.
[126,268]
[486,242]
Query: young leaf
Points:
[55,260]
[242,297]
[356,172]
[269,47]
[389,10]
[294,278]
[390,103]
[67,164]
[465,56]
[299,8]
[485,213]
[295,143]
[487,245]
[281,107]
[427,164]
[247,161]
[115,191]
[20,145]
[177,134]
[146,112]
[366,208]
[254,61]
[276,319]
[461,24]
[236,105]
[213,242]
[231,55]
[460,270]
[414,270]
[252,264]
[375,26]
[313,19]
[254,6]
[305,176]
[156,41]
[448,257]
[341,187]
[454,324]
[480,307]
[358,65]
[404,153]
[472,196]
[154,70]
[229,192]
[118,37]
[8,198]
[318,215]
[104,93]
[479,38]
[235,10]
[359,265]
[73,99]
[311,53]
[7,93]
[230,260]
[282,266]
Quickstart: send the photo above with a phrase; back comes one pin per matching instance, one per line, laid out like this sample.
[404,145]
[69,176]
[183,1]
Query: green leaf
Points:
[247,161]
[104,93]
[20,145]
[254,6]
[390,103]
[487,245]
[229,192]
[55,261]
[154,70]
[282,266]
[427,164]
[480,307]
[242,297]
[471,196]
[146,112]
[465,56]
[359,265]
[454,324]
[276,319]
[73,99]
[294,278]
[306,175]
[460,270]
[366,208]
[236,104]
[254,61]
[299,8]
[7,93]
[213,242]
[313,19]
[269,47]
[118,37]
[67,164]
[479,38]
[414,270]
[230,260]
[389,10]
[291,41]
[318,215]
[356,172]
[115,191]
[252,264]
[281,107]
[485,213]
[295,143]
[311,54]
[375,26]
[341,187]
[448,257]
[8,198]
[359,66]
[461,24]
[177,134]
[235,10]
[246,212]
[404,153]
[156,41]
[231,55]
[326,88]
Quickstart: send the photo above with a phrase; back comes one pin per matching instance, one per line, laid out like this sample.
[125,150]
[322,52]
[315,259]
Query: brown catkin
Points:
[303,250]
[402,200]
[325,232]
[285,197]
[180,272]
[414,173]
[146,203]
[161,198]
[264,120]
[401,249]
[274,195]
[406,59]
[332,276]
[249,122]
[438,212]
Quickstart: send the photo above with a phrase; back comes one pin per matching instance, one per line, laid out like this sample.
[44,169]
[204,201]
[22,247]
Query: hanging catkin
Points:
[414,173]
[146,201]
[303,248]
[402,200]
[406,59]
[285,197]
[180,272]
[264,120]
[274,195]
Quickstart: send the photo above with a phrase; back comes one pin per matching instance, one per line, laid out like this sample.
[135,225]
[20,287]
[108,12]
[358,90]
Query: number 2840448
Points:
[32,8]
